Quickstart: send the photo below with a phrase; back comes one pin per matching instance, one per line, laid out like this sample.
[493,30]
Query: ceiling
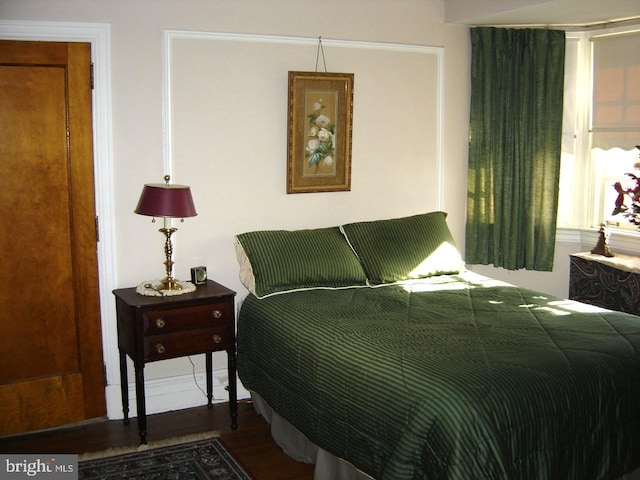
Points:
[540,12]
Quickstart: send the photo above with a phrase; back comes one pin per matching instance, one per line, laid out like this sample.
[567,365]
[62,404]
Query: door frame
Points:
[99,36]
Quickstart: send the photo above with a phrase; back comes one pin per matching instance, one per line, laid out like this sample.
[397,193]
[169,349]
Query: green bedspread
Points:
[456,377]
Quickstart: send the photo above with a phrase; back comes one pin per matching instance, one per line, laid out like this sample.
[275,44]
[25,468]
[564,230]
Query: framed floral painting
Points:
[319,132]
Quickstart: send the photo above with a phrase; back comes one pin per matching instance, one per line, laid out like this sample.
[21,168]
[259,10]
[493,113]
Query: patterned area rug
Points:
[198,460]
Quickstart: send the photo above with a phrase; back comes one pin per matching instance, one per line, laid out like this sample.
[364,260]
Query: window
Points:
[601,124]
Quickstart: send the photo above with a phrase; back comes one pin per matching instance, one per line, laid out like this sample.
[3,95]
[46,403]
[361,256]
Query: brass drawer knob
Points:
[160,322]
[217,338]
[160,348]
[217,314]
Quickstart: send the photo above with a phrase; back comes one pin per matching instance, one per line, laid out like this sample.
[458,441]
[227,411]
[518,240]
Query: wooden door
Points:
[51,367]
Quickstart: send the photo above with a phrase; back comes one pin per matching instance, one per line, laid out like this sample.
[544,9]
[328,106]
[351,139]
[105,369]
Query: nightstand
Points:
[159,328]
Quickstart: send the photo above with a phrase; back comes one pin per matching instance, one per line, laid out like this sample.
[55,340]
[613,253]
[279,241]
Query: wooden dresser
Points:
[608,282]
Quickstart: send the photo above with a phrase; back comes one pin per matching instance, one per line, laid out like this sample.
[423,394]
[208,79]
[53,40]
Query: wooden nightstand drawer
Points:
[159,322]
[159,347]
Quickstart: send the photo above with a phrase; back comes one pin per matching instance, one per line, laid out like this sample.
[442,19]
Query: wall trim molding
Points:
[169,35]
[626,242]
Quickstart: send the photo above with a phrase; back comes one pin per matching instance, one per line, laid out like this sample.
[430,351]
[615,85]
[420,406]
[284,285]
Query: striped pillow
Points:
[277,261]
[405,248]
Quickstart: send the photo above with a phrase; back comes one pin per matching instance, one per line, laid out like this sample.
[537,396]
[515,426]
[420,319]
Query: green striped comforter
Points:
[456,377]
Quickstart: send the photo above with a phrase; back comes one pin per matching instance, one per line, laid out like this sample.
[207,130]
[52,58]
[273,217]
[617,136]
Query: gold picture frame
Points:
[320,119]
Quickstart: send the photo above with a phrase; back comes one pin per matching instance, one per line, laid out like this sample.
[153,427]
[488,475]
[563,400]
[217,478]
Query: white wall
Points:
[462,10]
[554,283]
[226,132]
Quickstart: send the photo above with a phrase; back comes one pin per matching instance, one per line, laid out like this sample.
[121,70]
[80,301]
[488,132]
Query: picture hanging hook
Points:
[320,49]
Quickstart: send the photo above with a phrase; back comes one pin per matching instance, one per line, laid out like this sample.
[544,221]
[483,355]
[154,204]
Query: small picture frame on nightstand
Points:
[198,275]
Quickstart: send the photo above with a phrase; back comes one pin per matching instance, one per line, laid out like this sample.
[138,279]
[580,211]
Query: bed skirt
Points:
[327,465]
[298,447]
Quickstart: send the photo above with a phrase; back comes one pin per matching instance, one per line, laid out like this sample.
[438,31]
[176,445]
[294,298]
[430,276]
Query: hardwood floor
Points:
[251,443]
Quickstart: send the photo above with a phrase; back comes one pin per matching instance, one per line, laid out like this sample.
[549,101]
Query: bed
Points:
[374,345]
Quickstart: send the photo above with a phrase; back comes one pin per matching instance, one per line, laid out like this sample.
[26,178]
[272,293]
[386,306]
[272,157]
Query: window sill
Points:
[620,241]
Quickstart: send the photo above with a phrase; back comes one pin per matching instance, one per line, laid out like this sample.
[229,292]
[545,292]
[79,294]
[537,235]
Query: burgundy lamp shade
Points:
[164,200]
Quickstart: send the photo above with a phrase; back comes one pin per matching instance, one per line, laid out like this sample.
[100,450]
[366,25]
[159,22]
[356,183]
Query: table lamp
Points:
[169,202]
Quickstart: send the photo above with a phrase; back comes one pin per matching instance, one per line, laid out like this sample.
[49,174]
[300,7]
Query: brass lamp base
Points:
[170,284]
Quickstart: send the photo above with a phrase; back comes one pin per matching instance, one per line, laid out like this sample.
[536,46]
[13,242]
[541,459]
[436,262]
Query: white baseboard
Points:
[171,393]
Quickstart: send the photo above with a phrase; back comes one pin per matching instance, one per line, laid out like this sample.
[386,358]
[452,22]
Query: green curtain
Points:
[517,78]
